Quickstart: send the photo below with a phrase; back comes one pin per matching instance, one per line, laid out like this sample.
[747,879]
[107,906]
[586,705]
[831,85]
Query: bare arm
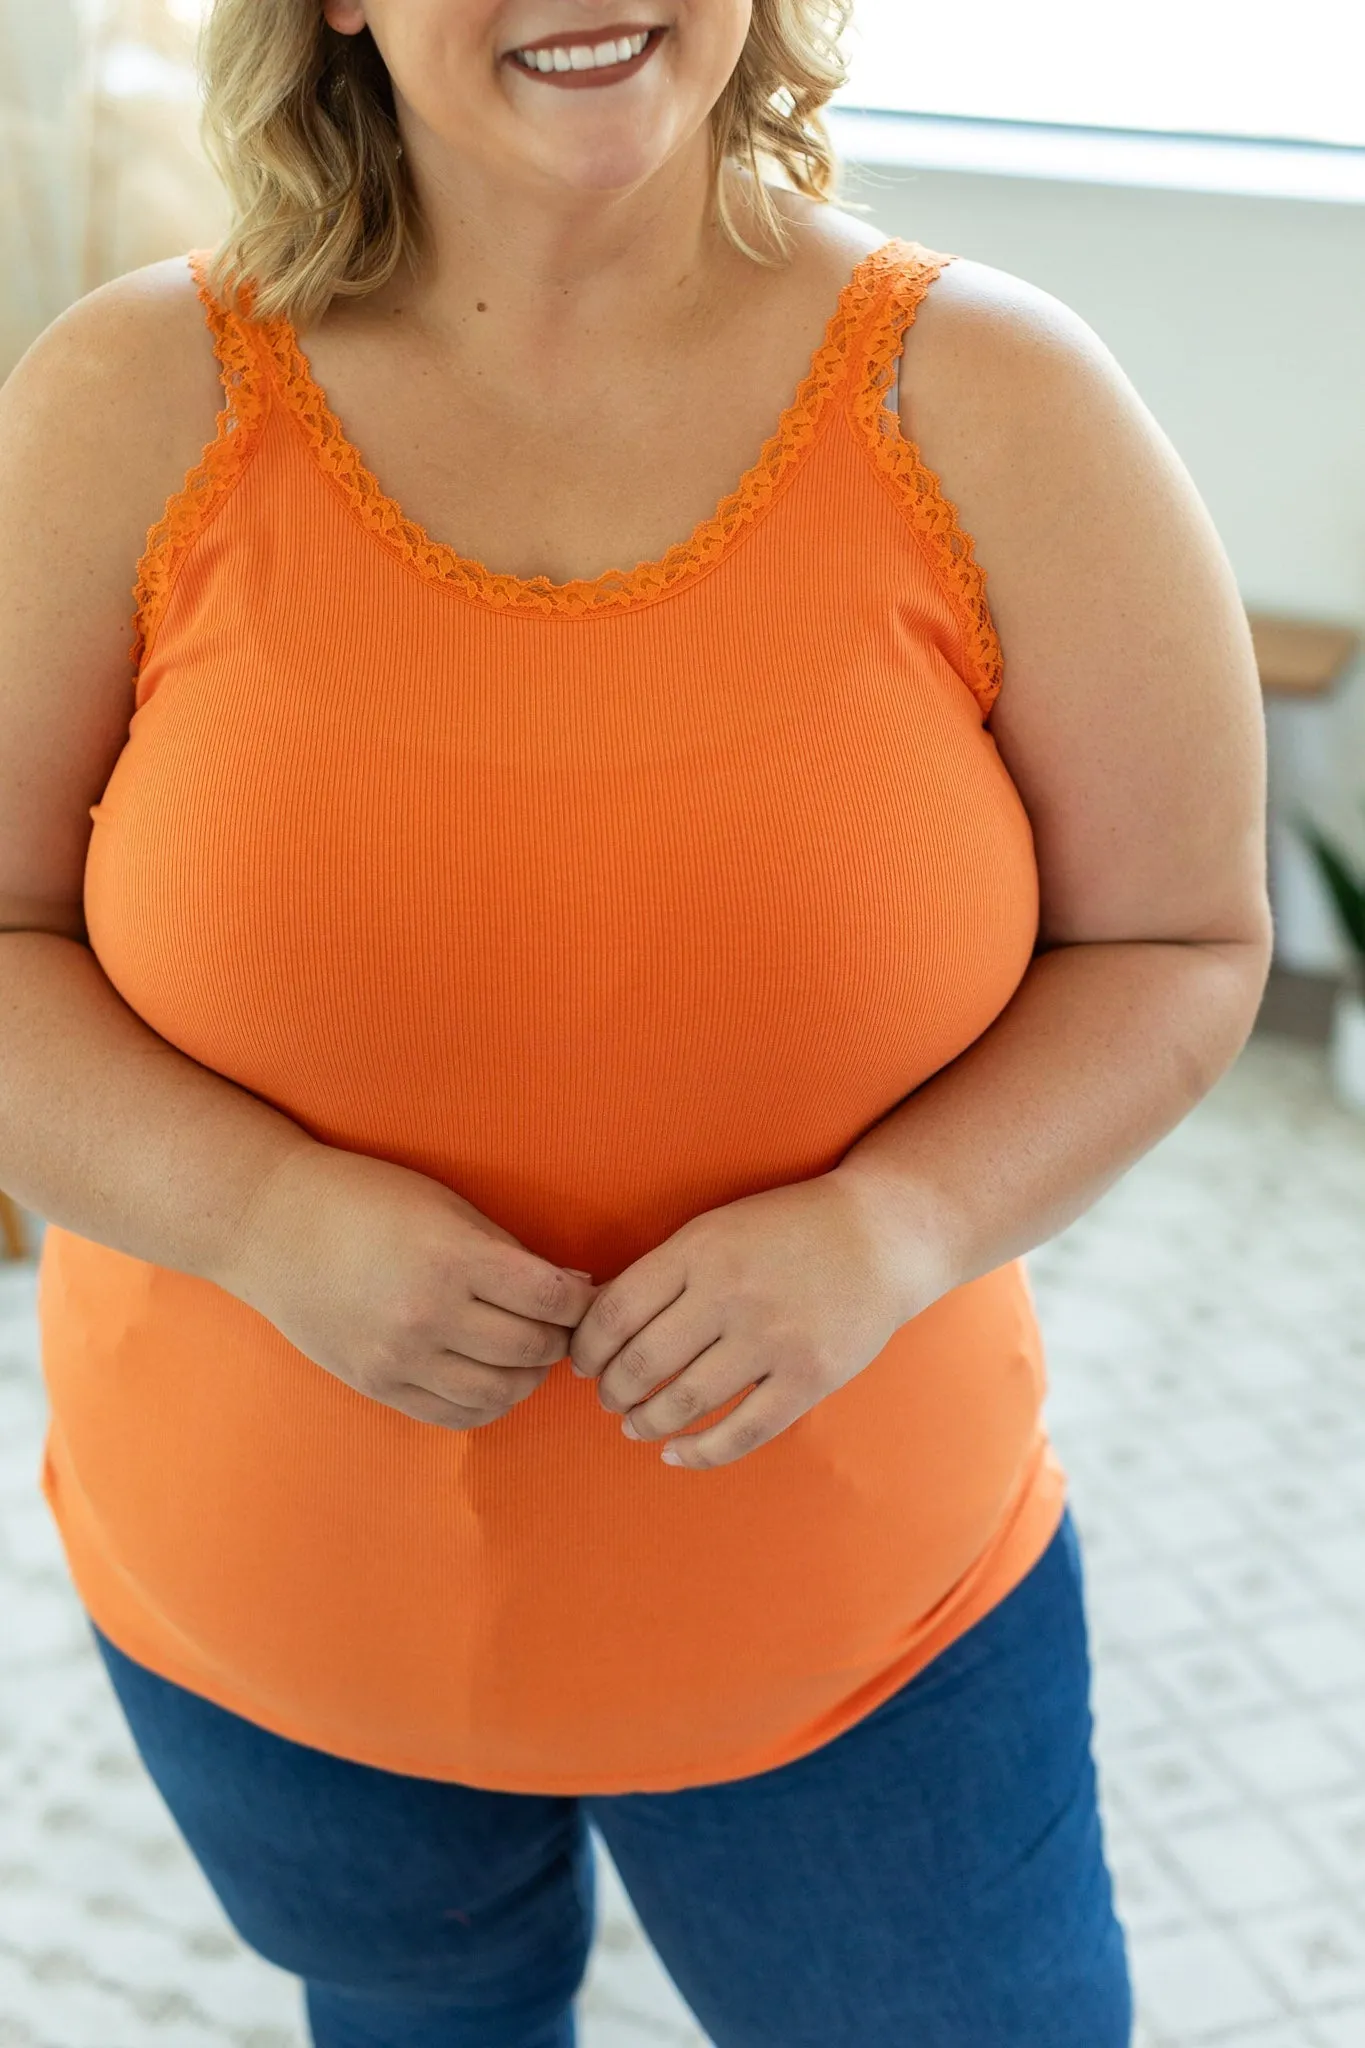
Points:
[109,1131]
[105,1129]
[1130,720]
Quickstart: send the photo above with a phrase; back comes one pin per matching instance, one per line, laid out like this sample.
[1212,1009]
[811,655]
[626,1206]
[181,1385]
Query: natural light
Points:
[1256,68]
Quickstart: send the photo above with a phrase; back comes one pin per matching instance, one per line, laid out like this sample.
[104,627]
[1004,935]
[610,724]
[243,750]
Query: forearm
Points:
[1102,1050]
[110,1132]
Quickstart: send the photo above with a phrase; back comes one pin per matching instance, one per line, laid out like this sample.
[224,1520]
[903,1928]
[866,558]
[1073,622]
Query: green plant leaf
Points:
[1346,888]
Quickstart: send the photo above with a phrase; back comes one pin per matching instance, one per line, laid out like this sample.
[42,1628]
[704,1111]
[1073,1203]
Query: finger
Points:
[705,1385]
[623,1307]
[510,1277]
[485,1388]
[672,1339]
[493,1337]
[755,1422]
[424,1406]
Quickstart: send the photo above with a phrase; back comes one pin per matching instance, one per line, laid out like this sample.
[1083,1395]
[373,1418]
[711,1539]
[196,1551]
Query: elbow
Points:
[1232,984]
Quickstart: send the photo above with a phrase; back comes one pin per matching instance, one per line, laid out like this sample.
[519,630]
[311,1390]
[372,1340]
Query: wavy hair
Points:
[299,123]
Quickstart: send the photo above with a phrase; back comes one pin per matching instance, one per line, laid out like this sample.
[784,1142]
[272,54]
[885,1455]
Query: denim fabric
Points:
[932,1878]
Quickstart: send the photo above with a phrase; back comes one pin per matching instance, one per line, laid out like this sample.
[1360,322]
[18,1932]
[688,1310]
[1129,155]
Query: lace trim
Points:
[917,487]
[205,486]
[614,589]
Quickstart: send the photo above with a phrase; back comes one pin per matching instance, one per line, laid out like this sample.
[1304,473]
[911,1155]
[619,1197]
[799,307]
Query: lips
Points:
[597,74]
[611,32]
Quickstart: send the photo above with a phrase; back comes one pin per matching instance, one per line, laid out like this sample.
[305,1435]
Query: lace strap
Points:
[873,372]
[188,510]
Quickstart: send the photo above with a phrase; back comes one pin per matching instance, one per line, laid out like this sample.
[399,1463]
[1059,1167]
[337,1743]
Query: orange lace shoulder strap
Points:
[872,375]
[188,509]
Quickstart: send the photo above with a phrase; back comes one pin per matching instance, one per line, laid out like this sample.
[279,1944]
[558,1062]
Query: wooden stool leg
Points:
[12,1229]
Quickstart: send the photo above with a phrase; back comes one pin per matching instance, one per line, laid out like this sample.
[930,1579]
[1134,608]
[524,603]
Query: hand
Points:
[791,1292]
[400,1288]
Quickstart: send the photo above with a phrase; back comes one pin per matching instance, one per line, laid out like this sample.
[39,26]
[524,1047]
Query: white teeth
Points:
[582,57]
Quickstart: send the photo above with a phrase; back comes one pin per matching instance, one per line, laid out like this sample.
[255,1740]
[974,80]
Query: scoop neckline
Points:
[614,589]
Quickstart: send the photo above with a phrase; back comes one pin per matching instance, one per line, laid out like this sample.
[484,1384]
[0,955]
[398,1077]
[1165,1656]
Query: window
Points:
[1272,70]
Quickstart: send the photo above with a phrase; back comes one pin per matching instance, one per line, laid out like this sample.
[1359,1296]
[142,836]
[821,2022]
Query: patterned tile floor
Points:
[1206,1330]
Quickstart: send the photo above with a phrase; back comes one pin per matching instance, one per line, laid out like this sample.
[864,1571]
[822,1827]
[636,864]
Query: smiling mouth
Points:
[597,74]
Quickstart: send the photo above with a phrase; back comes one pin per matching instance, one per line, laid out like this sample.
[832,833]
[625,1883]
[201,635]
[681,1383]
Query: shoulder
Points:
[99,422]
[142,326]
[1003,369]
[982,336]
[1023,401]
[1058,471]
[118,395]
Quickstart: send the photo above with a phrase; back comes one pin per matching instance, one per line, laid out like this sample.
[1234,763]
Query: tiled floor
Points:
[1206,1328]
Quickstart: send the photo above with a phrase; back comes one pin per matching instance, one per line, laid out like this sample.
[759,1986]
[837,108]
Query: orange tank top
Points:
[604,903]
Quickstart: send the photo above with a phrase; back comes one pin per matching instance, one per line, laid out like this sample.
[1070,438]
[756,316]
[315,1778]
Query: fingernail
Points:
[670,1456]
[578,1272]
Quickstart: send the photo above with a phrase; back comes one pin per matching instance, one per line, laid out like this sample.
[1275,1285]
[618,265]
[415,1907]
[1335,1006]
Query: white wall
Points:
[1242,323]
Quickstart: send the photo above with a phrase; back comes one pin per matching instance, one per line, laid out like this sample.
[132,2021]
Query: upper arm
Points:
[1130,715]
[99,423]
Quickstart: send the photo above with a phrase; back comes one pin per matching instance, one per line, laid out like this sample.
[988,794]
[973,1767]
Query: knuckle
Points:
[534,1348]
[380,1368]
[553,1294]
[747,1436]
[460,1389]
[685,1401]
[633,1365]
[556,1346]
[607,1310]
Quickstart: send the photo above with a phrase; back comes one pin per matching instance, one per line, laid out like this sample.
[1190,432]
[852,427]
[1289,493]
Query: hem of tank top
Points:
[800,427]
[916,490]
[1034,1509]
[211,479]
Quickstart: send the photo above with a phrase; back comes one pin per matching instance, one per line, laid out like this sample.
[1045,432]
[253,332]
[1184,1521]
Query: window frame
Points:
[1332,173]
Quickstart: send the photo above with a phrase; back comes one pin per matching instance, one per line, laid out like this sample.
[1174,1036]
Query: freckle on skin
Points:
[481,307]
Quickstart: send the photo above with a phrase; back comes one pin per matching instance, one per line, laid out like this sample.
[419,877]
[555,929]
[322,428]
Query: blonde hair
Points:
[299,123]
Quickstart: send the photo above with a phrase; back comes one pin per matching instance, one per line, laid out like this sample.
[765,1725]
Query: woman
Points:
[520,844]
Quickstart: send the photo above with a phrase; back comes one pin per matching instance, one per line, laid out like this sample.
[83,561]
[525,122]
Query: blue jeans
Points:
[934,1877]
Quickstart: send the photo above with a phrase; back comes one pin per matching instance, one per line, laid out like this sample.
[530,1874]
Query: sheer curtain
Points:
[100,164]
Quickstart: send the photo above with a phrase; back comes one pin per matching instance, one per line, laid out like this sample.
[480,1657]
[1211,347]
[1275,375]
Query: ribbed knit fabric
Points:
[603,903]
